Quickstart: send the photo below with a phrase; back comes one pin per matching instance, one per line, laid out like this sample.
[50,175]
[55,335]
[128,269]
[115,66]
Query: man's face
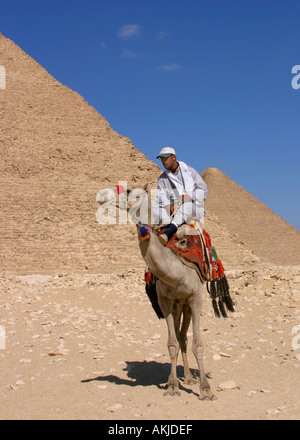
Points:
[169,162]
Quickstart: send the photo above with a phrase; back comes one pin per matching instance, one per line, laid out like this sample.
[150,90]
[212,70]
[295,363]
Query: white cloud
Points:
[129,30]
[130,54]
[169,67]
[161,35]
[127,53]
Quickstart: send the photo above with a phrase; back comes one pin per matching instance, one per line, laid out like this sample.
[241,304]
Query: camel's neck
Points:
[160,260]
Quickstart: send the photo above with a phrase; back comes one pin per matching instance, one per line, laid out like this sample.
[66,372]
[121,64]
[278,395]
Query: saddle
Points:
[193,246]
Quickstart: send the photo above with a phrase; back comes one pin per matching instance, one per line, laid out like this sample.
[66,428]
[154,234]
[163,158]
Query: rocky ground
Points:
[91,347]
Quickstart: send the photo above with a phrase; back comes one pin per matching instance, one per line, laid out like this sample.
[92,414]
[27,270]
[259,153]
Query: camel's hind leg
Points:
[181,333]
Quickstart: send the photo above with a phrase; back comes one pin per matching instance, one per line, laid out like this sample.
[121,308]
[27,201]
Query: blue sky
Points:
[210,78]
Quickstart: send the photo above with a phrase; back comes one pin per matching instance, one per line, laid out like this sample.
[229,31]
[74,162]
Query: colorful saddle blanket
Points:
[196,249]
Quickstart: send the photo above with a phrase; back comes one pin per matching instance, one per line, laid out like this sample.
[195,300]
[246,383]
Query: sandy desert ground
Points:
[91,347]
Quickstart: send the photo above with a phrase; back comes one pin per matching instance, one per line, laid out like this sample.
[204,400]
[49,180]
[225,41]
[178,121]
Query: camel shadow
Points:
[146,374]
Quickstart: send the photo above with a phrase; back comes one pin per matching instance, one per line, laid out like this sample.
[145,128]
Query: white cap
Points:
[165,152]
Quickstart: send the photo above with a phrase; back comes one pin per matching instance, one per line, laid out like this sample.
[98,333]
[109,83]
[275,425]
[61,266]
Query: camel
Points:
[179,288]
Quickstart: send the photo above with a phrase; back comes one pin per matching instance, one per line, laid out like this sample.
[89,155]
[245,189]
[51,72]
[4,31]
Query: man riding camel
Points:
[179,184]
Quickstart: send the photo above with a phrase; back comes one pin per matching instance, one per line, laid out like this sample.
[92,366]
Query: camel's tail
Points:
[219,289]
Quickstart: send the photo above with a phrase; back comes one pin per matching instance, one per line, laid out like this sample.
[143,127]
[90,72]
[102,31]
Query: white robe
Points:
[170,186]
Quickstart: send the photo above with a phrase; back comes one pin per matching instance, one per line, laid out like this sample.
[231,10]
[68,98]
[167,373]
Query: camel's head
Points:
[133,198]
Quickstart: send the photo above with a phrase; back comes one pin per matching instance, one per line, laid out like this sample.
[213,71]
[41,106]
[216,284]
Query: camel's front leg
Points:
[181,335]
[205,391]
[173,346]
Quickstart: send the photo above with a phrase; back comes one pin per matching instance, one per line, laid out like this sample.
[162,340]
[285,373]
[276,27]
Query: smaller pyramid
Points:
[269,236]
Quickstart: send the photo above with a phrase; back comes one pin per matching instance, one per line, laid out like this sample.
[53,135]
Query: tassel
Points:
[145,237]
[148,276]
[213,273]
[213,295]
[144,232]
[222,308]
[220,268]
[215,307]
[219,287]
[226,294]
[213,289]
[229,303]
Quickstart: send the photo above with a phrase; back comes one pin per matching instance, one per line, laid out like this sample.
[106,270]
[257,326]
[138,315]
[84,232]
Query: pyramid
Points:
[57,152]
[258,227]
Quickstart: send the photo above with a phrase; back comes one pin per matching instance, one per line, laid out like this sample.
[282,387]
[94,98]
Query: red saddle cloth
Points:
[198,250]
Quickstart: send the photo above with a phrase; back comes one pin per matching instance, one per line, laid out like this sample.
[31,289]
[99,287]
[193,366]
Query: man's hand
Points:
[185,198]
